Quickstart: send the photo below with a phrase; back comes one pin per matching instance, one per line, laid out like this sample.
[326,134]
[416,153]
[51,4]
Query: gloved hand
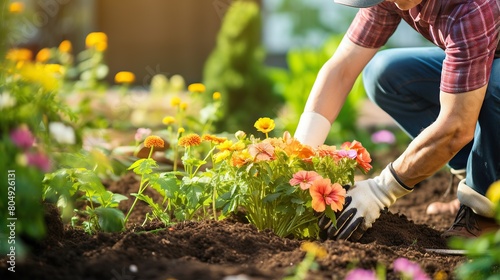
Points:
[364,202]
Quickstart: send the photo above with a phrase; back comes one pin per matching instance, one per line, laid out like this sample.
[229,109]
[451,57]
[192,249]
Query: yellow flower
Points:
[216,95]
[314,248]
[225,146]
[43,55]
[154,141]
[54,68]
[43,74]
[183,106]
[124,77]
[190,140]
[197,87]
[181,130]
[97,40]
[168,120]
[218,157]
[264,125]
[175,101]
[21,54]
[238,146]
[16,7]
[65,46]
[493,192]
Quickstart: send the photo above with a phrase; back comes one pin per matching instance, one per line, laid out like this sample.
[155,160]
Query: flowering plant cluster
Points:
[282,184]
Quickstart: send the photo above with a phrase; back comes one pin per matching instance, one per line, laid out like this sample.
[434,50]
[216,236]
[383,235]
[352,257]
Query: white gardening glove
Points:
[312,129]
[364,202]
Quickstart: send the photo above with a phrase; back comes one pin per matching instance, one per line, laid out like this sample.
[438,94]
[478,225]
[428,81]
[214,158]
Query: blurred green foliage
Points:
[297,81]
[235,68]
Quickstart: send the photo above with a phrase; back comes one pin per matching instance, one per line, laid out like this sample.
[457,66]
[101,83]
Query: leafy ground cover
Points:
[234,249]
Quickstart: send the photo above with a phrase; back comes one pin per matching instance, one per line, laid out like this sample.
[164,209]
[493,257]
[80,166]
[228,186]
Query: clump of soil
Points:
[232,249]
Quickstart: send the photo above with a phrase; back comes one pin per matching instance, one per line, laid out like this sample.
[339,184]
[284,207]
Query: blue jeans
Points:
[405,84]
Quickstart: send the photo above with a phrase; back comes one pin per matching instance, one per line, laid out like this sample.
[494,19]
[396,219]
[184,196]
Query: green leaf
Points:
[271,197]
[110,219]
[143,166]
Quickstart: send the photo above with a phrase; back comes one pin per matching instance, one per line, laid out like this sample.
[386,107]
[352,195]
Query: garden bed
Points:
[233,249]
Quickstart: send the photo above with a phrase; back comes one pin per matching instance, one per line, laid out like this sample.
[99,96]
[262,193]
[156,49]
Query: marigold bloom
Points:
[304,179]
[168,120]
[363,157]
[190,140]
[97,40]
[154,141]
[261,151]
[43,55]
[175,101]
[214,139]
[323,193]
[65,46]
[216,95]
[197,87]
[264,125]
[124,77]
[20,54]
[493,192]
[16,7]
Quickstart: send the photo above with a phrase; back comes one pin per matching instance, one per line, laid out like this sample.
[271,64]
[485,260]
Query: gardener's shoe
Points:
[469,224]
[475,215]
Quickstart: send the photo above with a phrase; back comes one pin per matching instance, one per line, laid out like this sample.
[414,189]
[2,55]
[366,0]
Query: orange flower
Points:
[213,139]
[43,55]
[97,40]
[240,158]
[65,46]
[190,140]
[261,151]
[363,157]
[124,77]
[264,125]
[323,193]
[304,179]
[197,87]
[293,147]
[154,141]
[21,54]
[327,151]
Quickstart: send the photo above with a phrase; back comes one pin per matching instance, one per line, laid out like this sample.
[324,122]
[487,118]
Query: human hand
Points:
[364,202]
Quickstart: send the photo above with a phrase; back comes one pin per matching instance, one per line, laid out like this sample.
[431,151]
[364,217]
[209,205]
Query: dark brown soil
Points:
[232,249]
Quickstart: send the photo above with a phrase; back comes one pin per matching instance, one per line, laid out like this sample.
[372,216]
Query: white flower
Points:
[62,133]
[7,100]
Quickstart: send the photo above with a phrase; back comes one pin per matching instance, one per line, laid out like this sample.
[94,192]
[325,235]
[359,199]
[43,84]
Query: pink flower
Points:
[409,268]
[323,193]
[22,137]
[361,274]
[383,136]
[352,154]
[262,151]
[363,157]
[304,178]
[39,160]
[141,134]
